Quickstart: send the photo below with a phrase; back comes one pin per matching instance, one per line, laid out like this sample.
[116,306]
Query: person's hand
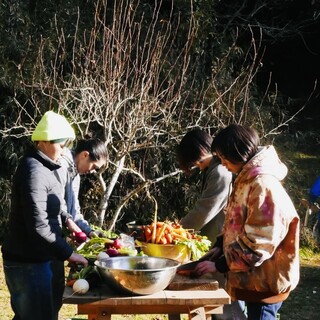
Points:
[204,267]
[76,258]
[72,226]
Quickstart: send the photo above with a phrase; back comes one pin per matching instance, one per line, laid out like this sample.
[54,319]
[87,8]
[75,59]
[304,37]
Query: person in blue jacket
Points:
[314,194]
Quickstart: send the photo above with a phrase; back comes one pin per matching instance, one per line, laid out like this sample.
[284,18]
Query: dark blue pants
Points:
[262,311]
[30,287]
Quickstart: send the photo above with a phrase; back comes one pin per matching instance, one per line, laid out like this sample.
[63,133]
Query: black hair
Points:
[192,147]
[236,143]
[97,148]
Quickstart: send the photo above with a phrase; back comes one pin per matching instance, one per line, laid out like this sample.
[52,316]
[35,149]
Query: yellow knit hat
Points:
[53,126]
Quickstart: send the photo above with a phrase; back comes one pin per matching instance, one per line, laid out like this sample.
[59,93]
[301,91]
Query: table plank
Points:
[197,297]
[102,295]
[101,302]
[180,282]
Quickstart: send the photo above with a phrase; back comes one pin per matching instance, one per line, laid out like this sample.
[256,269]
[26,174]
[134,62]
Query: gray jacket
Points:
[207,214]
[69,177]
[34,228]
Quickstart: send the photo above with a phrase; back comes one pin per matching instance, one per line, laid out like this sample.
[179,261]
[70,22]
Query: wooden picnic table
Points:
[199,298]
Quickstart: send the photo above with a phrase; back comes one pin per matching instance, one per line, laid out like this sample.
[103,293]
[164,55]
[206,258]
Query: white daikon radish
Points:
[81,286]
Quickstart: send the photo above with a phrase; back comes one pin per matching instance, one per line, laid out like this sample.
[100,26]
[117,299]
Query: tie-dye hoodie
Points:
[261,233]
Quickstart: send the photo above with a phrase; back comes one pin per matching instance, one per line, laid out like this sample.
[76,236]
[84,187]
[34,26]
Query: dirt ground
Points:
[301,305]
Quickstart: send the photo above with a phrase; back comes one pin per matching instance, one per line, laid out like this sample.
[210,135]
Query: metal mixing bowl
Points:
[138,275]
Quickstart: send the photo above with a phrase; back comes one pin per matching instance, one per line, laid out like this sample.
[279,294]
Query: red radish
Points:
[112,252]
[117,243]
[80,237]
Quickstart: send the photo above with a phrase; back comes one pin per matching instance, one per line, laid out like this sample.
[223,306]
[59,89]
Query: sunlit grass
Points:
[309,257]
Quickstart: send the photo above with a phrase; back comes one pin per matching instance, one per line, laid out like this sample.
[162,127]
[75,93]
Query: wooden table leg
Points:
[99,316]
[174,317]
[198,314]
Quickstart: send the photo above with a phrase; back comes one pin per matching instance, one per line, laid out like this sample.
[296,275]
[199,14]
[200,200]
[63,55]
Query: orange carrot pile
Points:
[166,233]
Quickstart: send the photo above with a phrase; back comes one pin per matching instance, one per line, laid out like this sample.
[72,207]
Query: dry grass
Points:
[6,312]
[302,303]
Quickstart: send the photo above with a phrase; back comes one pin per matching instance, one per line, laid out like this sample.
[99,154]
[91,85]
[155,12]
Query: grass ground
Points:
[301,305]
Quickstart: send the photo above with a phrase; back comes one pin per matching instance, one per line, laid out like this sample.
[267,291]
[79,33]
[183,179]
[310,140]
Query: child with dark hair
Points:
[88,156]
[260,241]
[207,214]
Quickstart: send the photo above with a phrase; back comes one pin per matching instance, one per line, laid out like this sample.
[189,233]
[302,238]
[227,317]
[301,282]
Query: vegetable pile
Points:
[122,245]
[82,278]
[173,233]
[159,233]
[166,233]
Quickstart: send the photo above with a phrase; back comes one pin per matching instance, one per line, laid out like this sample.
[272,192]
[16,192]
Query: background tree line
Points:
[139,75]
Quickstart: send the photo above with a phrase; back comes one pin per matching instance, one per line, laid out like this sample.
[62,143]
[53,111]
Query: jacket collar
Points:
[45,160]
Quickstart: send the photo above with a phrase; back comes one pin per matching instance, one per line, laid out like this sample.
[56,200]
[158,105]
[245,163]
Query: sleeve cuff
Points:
[221,265]
[65,216]
[219,242]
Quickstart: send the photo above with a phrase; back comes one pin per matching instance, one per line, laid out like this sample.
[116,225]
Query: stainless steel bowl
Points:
[138,275]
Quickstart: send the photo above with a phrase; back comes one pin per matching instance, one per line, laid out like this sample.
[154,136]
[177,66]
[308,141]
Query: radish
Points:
[81,286]
[102,255]
[80,237]
[112,252]
[117,243]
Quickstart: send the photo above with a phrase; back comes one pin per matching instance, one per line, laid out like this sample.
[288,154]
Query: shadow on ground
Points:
[303,303]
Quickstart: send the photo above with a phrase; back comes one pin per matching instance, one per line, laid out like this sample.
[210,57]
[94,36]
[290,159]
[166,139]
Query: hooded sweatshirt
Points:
[261,233]
[69,177]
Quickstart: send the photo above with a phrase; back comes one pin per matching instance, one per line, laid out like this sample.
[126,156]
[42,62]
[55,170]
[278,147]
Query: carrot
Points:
[177,236]
[148,237]
[160,232]
[163,240]
[147,231]
[168,237]
[180,231]
[168,230]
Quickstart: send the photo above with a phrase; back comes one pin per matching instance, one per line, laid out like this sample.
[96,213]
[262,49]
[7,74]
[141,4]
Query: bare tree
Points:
[130,80]
[127,83]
